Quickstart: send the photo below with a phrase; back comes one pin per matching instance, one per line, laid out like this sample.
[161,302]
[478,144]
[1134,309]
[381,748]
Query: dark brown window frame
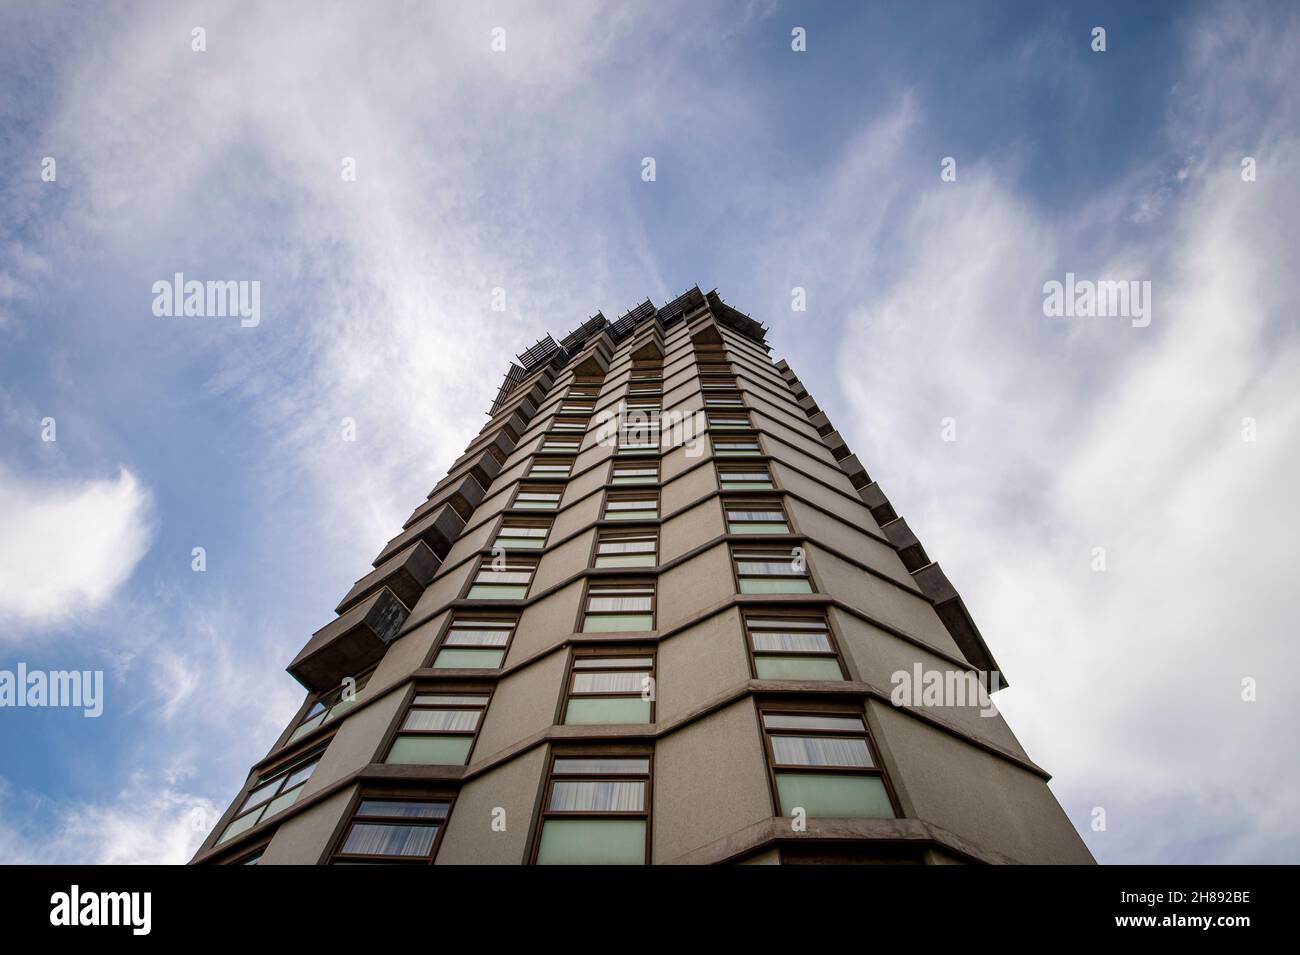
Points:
[573,670]
[485,563]
[769,549]
[391,794]
[604,534]
[608,751]
[409,703]
[461,616]
[636,578]
[780,707]
[634,492]
[792,613]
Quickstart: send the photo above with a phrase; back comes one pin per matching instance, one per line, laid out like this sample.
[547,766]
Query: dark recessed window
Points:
[393,830]
[331,705]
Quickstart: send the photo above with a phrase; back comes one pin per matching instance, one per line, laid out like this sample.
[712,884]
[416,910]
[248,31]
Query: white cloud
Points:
[69,546]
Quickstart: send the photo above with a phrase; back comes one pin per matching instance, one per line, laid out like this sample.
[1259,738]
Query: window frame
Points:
[772,503]
[513,565]
[639,493]
[471,617]
[596,585]
[518,520]
[450,694]
[764,553]
[573,670]
[536,487]
[728,467]
[390,794]
[798,615]
[819,709]
[544,812]
[610,534]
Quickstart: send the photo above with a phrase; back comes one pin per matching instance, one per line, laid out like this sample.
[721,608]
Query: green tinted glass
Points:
[831,795]
[592,842]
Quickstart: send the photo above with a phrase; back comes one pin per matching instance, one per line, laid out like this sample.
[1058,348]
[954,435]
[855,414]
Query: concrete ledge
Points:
[854,468]
[952,611]
[405,574]
[349,644]
[909,548]
[877,503]
[464,495]
[777,830]
[439,529]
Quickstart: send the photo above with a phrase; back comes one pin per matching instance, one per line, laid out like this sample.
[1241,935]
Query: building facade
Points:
[654,613]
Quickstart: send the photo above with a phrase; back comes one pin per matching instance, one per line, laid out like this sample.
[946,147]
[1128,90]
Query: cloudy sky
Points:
[775,169]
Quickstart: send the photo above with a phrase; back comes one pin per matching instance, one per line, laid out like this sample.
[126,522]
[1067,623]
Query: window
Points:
[635,472]
[330,705]
[771,571]
[822,763]
[728,400]
[589,389]
[639,430]
[792,647]
[746,477]
[274,792]
[717,381]
[550,468]
[611,688]
[632,507]
[756,517]
[438,730]
[475,643]
[596,811]
[619,606]
[518,533]
[393,830]
[538,497]
[563,445]
[568,425]
[582,408]
[616,548]
[502,579]
[729,420]
[736,446]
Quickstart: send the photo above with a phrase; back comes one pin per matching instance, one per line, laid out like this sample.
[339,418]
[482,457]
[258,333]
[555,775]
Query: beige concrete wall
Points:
[513,787]
[694,585]
[877,598]
[710,780]
[974,794]
[305,838]
[356,741]
[699,664]
[525,703]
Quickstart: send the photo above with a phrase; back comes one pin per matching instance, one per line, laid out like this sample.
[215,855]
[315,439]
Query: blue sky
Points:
[775,169]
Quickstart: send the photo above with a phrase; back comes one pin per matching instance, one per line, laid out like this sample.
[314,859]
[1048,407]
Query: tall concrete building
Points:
[653,614]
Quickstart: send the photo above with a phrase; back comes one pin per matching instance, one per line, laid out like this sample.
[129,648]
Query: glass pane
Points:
[617,622]
[452,658]
[827,795]
[300,775]
[605,709]
[449,699]
[478,636]
[631,515]
[821,751]
[465,720]
[626,602]
[757,528]
[403,807]
[774,585]
[261,794]
[610,682]
[625,560]
[730,485]
[281,803]
[798,668]
[592,842]
[598,795]
[430,750]
[518,543]
[537,505]
[789,641]
[241,824]
[612,663]
[496,592]
[782,721]
[595,766]
[368,838]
